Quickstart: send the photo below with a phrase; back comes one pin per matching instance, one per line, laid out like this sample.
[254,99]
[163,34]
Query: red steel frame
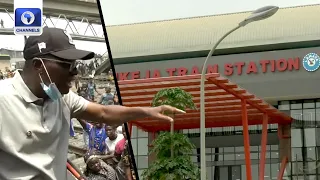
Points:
[226,105]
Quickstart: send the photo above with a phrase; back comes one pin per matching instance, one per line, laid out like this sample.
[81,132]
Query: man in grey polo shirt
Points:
[36,107]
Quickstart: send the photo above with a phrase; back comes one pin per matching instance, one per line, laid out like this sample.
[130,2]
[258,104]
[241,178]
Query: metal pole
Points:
[172,133]
[202,108]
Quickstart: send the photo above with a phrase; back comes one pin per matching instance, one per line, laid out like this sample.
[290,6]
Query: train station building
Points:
[276,59]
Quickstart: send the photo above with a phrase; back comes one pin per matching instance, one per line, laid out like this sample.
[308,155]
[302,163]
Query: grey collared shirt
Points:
[34,136]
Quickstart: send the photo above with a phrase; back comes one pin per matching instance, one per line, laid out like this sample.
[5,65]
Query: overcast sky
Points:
[133,11]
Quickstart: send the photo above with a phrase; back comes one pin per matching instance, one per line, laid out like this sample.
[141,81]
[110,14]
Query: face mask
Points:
[52,91]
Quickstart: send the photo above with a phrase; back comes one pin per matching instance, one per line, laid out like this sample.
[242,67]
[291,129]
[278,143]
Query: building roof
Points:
[294,24]
[223,102]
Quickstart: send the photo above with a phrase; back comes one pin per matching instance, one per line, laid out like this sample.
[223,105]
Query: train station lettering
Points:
[227,69]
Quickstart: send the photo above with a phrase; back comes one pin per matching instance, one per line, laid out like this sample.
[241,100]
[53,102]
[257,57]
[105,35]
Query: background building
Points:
[266,58]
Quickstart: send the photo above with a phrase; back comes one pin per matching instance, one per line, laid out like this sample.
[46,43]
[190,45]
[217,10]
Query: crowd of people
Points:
[89,91]
[107,156]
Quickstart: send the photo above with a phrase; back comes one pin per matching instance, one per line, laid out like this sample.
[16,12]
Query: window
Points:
[142,162]
[229,149]
[297,168]
[310,137]
[296,114]
[240,156]
[142,133]
[296,105]
[208,157]
[308,104]
[142,146]
[296,140]
[274,147]
[256,156]
[274,171]
[255,148]
[238,128]
[309,117]
[311,168]
[284,105]
[134,146]
[296,154]
[239,149]
[229,157]
[209,173]
[311,153]
[317,116]
[318,103]
[274,155]
[134,132]
[194,159]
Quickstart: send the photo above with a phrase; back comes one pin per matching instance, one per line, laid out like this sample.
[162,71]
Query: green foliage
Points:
[167,168]
[176,166]
[175,97]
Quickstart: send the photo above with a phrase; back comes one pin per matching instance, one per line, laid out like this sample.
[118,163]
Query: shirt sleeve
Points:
[75,103]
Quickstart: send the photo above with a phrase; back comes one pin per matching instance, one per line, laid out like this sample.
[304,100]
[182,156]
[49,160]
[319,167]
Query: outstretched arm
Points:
[114,114]
[117,115]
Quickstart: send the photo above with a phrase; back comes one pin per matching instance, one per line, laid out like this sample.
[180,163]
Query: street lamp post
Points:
[257,15]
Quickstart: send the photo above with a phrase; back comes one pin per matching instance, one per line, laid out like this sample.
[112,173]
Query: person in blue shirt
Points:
[106,97]
[97,135]
[91,89]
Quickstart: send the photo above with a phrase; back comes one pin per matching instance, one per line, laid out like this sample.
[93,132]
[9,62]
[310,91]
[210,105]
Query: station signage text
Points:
[227,69]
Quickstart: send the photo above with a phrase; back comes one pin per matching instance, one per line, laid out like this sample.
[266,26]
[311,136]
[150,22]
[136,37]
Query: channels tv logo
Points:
[28,21]
[311,62]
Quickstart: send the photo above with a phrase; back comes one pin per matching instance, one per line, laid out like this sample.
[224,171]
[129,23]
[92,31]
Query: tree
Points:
[172,163]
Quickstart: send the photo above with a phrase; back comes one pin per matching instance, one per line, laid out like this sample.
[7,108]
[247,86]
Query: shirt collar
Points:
[23,89]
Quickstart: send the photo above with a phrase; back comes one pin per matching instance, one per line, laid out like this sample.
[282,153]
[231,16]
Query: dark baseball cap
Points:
[56,42]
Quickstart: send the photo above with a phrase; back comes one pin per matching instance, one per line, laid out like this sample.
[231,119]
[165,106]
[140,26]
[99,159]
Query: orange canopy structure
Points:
[222,97]
[226,104]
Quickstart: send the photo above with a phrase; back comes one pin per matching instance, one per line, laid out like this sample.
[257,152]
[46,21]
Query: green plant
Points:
[175,97]
[167,168]
[172,162]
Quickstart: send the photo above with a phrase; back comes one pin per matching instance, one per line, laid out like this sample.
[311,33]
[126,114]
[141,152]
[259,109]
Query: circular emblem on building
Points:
[311,62]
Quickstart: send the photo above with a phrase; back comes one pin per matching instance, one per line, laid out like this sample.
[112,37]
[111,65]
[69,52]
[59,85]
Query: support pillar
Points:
[282,168]
[284,135]
[246,138]
[263,146]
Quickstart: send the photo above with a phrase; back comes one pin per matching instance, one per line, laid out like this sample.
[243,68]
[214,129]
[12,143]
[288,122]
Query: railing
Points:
[90,69]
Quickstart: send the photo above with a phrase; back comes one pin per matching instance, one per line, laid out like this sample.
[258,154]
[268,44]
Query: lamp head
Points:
[260,14]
